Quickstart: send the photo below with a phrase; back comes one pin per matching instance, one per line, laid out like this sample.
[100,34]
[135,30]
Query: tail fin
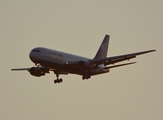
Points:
[102,51]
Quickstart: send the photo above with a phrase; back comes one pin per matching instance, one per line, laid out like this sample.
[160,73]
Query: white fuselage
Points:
[54,60]
[51,55]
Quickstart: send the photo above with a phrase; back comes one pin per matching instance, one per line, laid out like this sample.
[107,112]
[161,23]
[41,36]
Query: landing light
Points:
[37,64]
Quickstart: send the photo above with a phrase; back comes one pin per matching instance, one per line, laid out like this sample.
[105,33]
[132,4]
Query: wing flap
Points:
[118,60]
[109,67]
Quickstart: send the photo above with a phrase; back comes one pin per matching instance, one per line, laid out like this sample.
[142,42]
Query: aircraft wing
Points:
[109,67]
[116,59]
[41,68]
[20,69]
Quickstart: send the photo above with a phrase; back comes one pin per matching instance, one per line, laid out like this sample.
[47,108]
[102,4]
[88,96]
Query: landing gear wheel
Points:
[58,80]
[55,81]
[86,76]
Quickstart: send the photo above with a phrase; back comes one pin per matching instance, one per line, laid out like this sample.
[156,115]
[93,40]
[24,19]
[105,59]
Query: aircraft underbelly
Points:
[70,69]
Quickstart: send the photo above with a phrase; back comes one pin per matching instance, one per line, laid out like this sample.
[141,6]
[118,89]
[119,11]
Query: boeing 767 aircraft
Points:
[46,60]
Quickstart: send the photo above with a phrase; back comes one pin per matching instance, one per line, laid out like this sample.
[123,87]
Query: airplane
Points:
[47,60]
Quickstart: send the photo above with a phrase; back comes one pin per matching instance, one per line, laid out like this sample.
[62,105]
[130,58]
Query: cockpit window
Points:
[35,50]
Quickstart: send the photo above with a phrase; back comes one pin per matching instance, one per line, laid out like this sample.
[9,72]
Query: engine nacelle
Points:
[36,72]
[83,65]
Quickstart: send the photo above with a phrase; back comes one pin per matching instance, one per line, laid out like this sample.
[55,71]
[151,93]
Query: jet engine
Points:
[83,65]
[37,71]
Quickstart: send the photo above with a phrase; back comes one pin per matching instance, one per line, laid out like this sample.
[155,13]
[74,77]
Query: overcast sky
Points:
[126,93]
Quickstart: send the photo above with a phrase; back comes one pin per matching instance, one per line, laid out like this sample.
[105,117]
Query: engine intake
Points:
[36,72]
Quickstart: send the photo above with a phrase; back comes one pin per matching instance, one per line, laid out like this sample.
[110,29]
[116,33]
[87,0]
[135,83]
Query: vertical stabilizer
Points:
[102,51]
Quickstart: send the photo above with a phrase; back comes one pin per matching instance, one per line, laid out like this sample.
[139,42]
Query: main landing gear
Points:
[58,80]
[86,76]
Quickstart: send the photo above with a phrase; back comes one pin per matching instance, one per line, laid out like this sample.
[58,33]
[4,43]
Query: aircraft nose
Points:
[33,55]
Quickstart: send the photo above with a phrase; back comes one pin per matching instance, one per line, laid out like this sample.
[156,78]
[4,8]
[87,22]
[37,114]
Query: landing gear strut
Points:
[58,80]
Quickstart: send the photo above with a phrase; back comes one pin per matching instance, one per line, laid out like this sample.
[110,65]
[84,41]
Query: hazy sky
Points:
[132,92]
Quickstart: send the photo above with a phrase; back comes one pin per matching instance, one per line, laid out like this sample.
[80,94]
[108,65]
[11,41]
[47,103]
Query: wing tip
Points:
[19,69]
[153,50]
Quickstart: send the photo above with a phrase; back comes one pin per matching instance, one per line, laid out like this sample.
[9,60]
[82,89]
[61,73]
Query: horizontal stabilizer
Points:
[119,65]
